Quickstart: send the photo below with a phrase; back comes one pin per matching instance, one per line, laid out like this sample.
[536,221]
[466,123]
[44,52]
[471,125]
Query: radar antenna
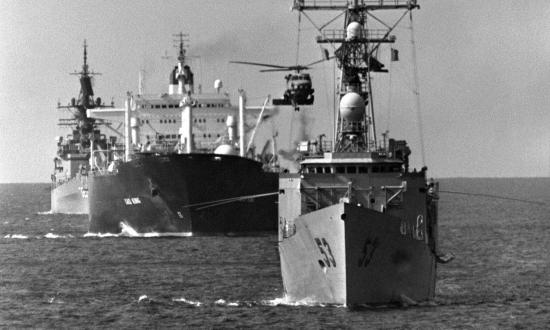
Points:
[356,49]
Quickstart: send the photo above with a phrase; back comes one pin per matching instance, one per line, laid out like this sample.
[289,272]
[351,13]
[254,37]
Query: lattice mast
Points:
[356,60]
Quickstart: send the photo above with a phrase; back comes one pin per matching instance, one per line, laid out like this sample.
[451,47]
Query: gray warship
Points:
[69,180]
[356,225]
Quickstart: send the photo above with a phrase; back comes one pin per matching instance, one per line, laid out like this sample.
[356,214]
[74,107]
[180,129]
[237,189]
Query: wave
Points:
[129,231]
[188,302]
[284,301]
[51,235]
[17,236]
[45,212]
[100,235]
[48,235]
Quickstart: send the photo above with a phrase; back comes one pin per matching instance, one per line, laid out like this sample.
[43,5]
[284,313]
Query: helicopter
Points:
[299,90]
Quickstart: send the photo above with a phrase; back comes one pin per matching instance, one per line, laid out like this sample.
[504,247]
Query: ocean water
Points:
[53,275]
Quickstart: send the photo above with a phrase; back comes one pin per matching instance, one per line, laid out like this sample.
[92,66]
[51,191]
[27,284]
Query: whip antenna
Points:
[416,91]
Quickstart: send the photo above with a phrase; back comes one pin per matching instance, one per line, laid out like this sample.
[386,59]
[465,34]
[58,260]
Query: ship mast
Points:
[183,72]
[356,59]
[85,65]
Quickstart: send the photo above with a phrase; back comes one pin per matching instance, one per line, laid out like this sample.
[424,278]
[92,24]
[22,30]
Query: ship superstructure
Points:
[186,167]
[356,225]
[69,191]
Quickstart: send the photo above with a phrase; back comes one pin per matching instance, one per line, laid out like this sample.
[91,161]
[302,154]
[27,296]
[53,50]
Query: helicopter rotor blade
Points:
[260,64]
[277,70]
[298,67]
[321,60]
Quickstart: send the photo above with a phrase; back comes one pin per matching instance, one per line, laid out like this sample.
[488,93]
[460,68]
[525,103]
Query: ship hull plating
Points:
[70,197]
[185,193]
[344,254]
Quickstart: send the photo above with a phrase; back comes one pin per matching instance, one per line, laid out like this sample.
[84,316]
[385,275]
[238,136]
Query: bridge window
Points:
[363,169]
[351,169]
[340,169]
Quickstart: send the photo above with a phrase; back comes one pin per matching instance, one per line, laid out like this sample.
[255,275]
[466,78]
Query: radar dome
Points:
[225,149]
[352,107]
[353,30]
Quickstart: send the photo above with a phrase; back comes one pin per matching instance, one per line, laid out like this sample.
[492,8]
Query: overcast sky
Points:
[484,69]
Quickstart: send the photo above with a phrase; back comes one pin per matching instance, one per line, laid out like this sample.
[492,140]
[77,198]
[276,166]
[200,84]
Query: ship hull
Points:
[70,197]
[349,255]
[185,193]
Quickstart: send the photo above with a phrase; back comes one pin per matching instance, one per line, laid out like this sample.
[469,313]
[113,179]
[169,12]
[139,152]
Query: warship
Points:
[356,225]
[185,167]
[69,188]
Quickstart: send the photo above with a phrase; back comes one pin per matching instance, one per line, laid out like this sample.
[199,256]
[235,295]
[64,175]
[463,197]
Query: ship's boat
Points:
[185,167]
[356,225]
[69,180]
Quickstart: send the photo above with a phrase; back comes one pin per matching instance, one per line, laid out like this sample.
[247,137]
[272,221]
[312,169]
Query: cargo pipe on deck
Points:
[187,104]
[242,101]
[127,127]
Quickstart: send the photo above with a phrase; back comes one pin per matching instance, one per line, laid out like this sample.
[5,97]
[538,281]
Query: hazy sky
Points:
[484,70]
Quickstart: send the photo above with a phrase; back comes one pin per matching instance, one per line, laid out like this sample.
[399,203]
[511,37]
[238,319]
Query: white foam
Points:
[223,302]
[52,235]
[142,297]
[220,302]
[285,301]
[18,236]
[128,231]
[45,212]
[100,235]
[189,302]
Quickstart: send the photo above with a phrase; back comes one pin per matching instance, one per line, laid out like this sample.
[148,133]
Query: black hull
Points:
[160,194]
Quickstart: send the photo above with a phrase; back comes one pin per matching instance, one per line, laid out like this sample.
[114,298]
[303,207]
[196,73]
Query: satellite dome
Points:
[353,30]
[352,107]
[225,149]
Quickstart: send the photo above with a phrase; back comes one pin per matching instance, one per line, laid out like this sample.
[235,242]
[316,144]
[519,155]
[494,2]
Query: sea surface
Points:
[53,275]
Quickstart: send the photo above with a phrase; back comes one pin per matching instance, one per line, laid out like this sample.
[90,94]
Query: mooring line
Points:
[493,196]
[228,200]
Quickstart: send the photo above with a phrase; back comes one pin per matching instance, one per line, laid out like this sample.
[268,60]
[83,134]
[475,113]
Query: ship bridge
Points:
[351,163]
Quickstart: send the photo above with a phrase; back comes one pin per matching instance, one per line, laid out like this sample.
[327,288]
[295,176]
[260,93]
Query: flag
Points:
[394,55]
